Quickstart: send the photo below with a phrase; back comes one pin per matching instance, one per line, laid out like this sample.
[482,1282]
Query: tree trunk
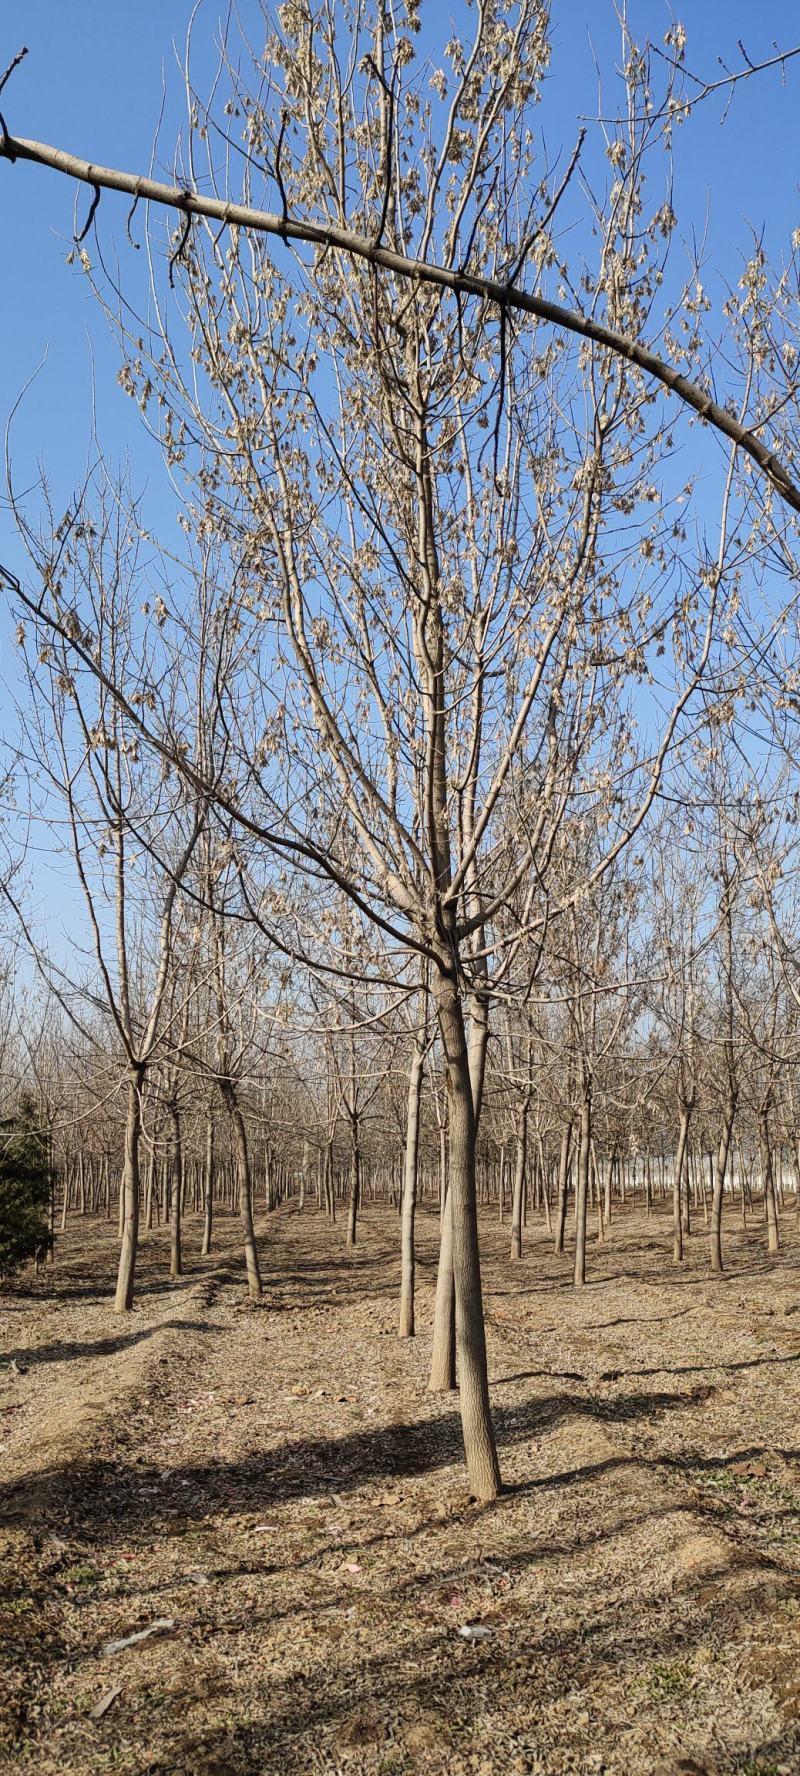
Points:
[610,1163]
[582,1187]
[208,1187]
[409,1205]
[355,1190]
[245,1190]
[123,1299]
[442,1378]
[176,1193]
[519,1181]
[476,1420]
[720,1164]
[563,1182]
[680,1160]
[770,1203]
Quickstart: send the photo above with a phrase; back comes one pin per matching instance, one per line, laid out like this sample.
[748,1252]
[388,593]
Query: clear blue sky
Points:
[93,82]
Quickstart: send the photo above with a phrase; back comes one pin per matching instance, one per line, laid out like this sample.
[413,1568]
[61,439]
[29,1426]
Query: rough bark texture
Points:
[476,1420]
[176,1193]
[245,1188]
[519,1181]
[563,1180]
[355,1193]
[582,1188]
[407,1262]
[767,1172]
[720,1166]
[123,1299]
[208,1188]
[442,1378]
[680,1161]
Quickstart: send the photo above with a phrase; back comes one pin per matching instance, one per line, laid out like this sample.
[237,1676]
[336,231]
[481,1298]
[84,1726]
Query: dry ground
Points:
[276,1481]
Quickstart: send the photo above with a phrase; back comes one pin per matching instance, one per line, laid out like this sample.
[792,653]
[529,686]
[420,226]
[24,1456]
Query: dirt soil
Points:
[274,1483]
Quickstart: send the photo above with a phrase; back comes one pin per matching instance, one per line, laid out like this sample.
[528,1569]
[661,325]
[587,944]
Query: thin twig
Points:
[91,216]
[19,57]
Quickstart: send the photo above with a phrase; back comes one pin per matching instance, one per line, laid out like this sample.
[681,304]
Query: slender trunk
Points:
[476,1419]
[410,1195]
[208,1187]
[680,1159]
[176,1193]
[770,1203]
[51,1202]
[563,1183]
[582,1186]
[544,1172]
[148,1198]
[720,1164]
[355,1190]
[245,1190]
[129,1191]
[442,1378]
[330,1183]
[610,1163]
[519,1181]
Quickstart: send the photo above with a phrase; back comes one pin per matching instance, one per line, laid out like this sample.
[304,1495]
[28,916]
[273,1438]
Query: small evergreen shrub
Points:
[24,1189]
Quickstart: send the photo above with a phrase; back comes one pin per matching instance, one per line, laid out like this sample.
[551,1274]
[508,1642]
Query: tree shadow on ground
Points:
[110,1499]
[34,1356]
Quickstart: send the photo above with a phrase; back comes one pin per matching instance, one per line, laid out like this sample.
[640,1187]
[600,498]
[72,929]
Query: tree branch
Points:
[357,246]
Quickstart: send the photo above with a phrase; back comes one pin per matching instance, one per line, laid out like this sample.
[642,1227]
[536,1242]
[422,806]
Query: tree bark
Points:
[519,1180]
[582,1187]
[720,1164]
[355,1190]
[770,1202]
[563,1181]
[409,1205]
[680,1160]
[208,1187]
[476,1420]
[245,1190]
[123,1299]
[176,1193]
[442,1378]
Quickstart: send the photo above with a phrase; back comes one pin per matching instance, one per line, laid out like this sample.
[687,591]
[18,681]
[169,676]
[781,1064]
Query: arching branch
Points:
[464,283]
